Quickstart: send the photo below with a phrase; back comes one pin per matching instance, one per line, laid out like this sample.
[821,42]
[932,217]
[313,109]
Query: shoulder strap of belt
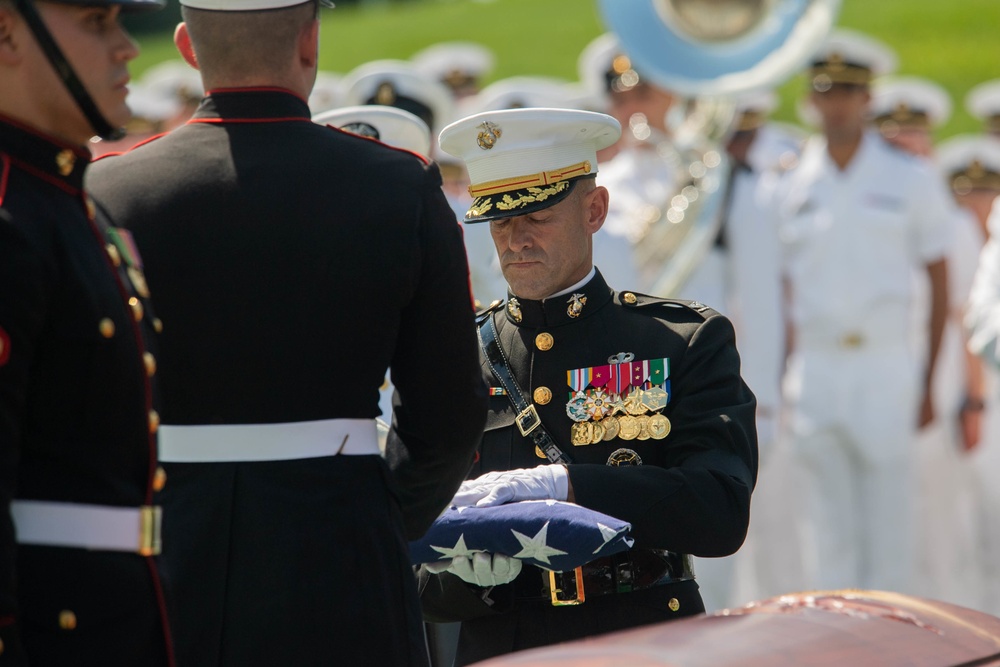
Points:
[527,420]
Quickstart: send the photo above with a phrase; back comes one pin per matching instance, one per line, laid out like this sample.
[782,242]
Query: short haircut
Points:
[232,44]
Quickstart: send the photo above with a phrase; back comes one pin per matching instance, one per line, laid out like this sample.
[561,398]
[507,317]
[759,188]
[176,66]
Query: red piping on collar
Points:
[79,150]
[130,148]
[247,120]
[38,173]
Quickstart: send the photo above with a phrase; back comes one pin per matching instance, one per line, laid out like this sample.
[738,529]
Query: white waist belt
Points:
[267,442]
[100,527]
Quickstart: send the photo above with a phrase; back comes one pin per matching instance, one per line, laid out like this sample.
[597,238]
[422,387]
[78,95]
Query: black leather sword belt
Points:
[623,572]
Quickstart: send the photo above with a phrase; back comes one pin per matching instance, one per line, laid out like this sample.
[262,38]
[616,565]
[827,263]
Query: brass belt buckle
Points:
[150,517]
[554,592]
[528,420]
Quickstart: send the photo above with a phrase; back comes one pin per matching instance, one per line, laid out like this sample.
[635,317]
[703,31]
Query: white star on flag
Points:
[535,547]
[458,550]
[607,533]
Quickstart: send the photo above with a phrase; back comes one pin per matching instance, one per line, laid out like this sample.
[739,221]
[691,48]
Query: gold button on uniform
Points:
[106,327]
[157,325]
[159,479]
[544,341]
[674,604]
[67,620]
[154,421]
[150,361]
[629,298]
[113,253]
[136,307]
[542,395]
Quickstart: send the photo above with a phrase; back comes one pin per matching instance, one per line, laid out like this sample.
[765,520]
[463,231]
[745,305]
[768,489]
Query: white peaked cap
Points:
[528,156]
[392,126]
[913,95]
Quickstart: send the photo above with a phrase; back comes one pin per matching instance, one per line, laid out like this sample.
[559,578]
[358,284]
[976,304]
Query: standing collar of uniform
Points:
[42,155]
[555,310]
[251,105]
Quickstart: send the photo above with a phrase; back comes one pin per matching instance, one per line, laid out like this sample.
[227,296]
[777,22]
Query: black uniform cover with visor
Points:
[64,70]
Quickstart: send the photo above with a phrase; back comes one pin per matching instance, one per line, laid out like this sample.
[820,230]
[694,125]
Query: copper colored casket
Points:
[820,628]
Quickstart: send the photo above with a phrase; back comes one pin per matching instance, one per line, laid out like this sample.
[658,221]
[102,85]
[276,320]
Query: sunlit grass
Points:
[954,43]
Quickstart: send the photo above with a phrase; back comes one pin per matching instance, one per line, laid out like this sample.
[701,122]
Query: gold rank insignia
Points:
[65,161]
[514,309]
[576,304]
[491,132]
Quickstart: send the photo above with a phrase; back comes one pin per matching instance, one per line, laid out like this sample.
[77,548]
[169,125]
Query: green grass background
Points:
[953,42]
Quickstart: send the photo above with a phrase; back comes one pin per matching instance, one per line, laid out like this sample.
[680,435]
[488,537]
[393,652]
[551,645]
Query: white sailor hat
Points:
[983,102]
[458,65]
[397,83]
[908,102]
[389,125]
[579,96]
[604,67]
[518,92]
[174,81]
[851,58]
[524,160]
[753,107]
[970,162]
[327,93]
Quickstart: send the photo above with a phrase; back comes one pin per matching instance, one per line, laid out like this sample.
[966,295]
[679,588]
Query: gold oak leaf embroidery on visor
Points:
[534,194]
[480,209]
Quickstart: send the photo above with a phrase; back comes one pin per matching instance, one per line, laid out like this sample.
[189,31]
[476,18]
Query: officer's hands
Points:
[497,488]
[481,569]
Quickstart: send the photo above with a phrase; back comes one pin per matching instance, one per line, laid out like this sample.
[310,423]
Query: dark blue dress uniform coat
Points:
[295,263]
[690,495]
[77,404]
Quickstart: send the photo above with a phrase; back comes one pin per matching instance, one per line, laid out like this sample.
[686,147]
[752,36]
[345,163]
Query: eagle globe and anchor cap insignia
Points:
[491,132]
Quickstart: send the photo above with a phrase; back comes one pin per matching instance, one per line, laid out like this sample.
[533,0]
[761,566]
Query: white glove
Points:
[481,569]
[497,488]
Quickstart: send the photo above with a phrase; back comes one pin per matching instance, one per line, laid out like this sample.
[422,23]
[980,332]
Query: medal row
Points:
[627,427]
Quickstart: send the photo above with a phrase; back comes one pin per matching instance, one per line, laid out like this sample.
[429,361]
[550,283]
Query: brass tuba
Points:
[706,51]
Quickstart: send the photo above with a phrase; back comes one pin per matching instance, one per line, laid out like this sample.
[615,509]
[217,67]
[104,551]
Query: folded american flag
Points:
[548,533]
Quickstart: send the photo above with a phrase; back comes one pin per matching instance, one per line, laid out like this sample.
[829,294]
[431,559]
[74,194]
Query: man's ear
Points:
[596,204]
[309,45]
[10,39]
[182,40]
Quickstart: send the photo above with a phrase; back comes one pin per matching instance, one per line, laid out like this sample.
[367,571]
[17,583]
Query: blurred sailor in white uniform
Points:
[857,218]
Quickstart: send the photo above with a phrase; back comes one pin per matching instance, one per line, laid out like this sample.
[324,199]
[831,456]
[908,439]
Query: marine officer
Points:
[78,398]
[620,402]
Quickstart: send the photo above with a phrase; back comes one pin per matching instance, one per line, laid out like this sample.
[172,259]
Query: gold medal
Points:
[655,399]
[633,404]
[628,427]
[596,432]
[611,428]
[643,427]
[582,433]
[539,453]
[659,427]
